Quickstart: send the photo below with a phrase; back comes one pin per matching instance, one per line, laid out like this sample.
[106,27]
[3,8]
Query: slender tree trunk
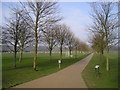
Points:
[35,54]
[102,51]
[102,45]
[15,53]
[21,53]
[50,54]
[60,51]
[107,52]
[36,42]
[70,51]
[20,59]
[107,60]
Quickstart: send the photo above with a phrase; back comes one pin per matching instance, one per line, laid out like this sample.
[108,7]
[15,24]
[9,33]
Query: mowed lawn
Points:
[107,79]
[24,71]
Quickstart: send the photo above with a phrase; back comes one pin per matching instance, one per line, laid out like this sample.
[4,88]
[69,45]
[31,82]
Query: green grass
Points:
[24,71]
[107,79]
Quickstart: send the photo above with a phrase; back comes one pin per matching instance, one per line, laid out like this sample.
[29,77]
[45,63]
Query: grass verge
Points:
[107,79]
[24,71]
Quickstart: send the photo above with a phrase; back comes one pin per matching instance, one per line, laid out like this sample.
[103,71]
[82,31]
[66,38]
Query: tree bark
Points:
[70,51]
[107,52]
[36,42]
[35,52]
[50,54]
[102,51]
[61,52]
[15,53]
[107,60]
[21,53]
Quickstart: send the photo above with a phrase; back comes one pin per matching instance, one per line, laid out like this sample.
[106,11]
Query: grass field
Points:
[107,79]
[24,71]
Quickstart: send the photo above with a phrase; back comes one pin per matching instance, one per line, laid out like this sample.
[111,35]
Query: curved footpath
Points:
[69,77]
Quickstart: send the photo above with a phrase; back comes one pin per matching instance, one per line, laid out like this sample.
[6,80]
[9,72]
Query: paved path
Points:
[69,77]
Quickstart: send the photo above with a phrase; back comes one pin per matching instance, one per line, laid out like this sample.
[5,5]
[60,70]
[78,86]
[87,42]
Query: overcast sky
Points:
[76,16]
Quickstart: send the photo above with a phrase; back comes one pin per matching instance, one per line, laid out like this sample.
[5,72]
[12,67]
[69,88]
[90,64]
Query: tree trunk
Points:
[107,49]
[70,51]
[21,53]
[50,54]
[36,42]
[15,53]
[35,54]
[107,60]
[102,55]
[102,51]
[61,52]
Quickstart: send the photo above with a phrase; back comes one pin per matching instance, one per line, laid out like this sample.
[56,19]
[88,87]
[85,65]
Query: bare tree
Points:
[98,38]
[76,46]
[11,33]
[26,37]
[40,13]
[105,23]
[84,47]
[70,41]
[98,44]
[49,38]
[61,33]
